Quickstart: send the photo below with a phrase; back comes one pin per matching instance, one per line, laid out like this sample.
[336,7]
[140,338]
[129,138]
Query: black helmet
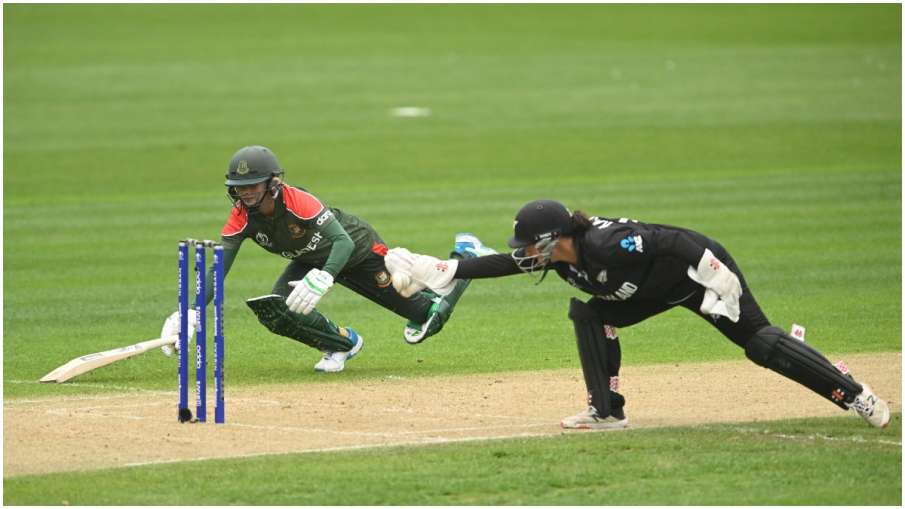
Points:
[539,220]
[251,165]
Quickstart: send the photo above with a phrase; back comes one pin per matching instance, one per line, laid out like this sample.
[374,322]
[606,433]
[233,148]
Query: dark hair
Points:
[580,223]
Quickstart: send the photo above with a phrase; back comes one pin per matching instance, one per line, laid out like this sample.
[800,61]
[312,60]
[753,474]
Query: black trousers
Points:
[689,295]
[369,278]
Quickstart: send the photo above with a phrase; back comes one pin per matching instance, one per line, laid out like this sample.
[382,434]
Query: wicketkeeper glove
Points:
[308,291]
[171,328]
[723,287]
[399,262]
[412,272]
[714,306]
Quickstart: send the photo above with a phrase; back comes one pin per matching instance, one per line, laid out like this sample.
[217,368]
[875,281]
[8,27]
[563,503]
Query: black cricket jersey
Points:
[617,260]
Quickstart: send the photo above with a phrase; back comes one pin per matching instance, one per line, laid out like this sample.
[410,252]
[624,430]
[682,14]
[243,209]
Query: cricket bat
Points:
[92,361]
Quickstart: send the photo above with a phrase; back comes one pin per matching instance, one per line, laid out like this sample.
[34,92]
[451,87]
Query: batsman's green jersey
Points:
[302,229]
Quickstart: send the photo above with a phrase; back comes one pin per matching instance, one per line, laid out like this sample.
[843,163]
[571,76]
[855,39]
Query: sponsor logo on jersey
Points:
[633,243]
[296,231]
[382,279]
[312,245]
[242,169]
[263,240]
[623,293]
[324,217]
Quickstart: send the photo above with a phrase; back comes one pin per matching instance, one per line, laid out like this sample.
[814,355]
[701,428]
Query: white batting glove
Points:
[399,262]
[308,291]
[434,273]
[171,328]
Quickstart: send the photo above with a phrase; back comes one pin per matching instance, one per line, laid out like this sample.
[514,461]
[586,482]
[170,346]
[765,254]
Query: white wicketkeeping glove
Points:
[434,273]
[715,307]
[308,291]
[171,328]
[399,262]
[723,287]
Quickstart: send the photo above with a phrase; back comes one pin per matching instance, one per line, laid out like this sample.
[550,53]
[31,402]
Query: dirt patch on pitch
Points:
[83,433]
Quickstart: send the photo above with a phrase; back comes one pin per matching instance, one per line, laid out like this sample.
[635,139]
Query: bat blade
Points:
[92,361]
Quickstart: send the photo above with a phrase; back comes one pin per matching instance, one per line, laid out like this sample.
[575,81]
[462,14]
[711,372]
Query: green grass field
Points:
[775,129]
[761,464]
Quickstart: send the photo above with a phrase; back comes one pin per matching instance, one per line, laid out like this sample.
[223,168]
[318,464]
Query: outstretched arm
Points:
[412,272]
[495,265]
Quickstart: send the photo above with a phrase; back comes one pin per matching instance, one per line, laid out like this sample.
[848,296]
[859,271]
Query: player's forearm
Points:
[229,256]
[341,250]
[495,265]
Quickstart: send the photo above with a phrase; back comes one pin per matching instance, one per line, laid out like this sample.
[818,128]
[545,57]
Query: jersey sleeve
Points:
[341,248]
[494,265]
[305,206]
[234,230]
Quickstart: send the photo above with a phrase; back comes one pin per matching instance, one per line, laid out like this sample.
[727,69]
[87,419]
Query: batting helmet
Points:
[252,165]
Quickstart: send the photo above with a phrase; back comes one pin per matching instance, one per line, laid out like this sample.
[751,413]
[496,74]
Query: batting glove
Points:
[308,291]
[171,328]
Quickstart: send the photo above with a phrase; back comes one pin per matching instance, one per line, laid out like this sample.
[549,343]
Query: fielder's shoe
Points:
[871,408]
[334,362]
[469,246]
[415,333]
[589,419]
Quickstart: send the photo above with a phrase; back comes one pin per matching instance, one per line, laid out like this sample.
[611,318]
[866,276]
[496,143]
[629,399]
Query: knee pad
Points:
[773,349]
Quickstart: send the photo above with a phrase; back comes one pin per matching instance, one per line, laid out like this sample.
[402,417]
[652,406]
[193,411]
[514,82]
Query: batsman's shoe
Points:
[589,419]
[334,362]
[470,246]
[415,333]
[871,408]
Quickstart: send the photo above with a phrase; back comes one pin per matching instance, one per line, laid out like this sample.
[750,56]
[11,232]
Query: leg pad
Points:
[273,313]
[772,348]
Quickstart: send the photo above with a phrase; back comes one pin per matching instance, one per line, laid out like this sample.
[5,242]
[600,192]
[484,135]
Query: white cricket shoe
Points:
[871,408]
[589,419]
[334,362]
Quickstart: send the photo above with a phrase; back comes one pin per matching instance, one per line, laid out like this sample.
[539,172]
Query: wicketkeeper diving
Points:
[634,271]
